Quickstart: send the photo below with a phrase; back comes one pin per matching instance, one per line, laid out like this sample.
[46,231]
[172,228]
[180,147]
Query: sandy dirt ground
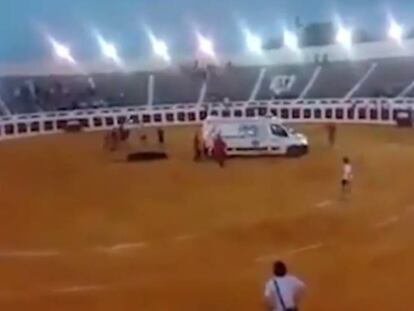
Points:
[82,230]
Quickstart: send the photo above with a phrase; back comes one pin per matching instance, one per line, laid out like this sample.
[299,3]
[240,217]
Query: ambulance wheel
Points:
[296,151]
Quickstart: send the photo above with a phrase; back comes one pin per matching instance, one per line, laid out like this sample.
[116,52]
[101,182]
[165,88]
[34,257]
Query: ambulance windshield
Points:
[279,131]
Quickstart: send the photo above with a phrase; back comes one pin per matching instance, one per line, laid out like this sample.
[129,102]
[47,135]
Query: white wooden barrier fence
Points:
[355,111]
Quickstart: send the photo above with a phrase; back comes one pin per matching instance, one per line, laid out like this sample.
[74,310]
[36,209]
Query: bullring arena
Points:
[83,230]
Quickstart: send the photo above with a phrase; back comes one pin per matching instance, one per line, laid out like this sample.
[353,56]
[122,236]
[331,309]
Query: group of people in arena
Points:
[115,137]
[215,149]
[283,291]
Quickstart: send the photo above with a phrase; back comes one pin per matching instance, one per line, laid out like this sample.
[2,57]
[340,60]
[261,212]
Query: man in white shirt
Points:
[347,177]
[283,292]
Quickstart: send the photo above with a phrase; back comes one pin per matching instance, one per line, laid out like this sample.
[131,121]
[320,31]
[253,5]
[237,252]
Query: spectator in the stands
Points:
[91,89]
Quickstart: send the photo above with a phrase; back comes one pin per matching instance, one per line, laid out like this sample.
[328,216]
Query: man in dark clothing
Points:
[160,134]
[197,147]
[220,150]
[331,134]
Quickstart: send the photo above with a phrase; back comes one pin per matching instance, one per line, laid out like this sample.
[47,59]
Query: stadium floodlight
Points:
[253,42]
[344,37]
[396,32]
[206,46]
[160,48]
[62,51]
[109,50]
[290,40]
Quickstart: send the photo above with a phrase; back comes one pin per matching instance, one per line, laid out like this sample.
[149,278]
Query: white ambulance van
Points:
[255,136]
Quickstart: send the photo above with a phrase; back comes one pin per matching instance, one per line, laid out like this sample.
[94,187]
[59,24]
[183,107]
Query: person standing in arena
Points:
[331,128]
[111,140]
[283,292]
[123,133]
[347,177]
[161,136]
[219,150]
[197,147]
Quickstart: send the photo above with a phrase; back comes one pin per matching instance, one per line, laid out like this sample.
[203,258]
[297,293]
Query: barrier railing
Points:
[356,111]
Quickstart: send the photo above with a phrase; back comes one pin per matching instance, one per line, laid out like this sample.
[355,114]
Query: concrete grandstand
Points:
[378,69]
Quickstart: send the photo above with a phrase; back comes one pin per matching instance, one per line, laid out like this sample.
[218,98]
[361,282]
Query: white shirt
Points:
[290,286]
[347,172]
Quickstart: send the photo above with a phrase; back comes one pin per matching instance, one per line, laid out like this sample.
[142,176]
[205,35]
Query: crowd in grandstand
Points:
[387,78]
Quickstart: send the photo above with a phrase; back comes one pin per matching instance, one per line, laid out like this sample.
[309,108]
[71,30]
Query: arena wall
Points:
[355,111]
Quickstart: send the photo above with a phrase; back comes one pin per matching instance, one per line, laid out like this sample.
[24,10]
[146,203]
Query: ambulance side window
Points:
[278,131]
[249,131]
